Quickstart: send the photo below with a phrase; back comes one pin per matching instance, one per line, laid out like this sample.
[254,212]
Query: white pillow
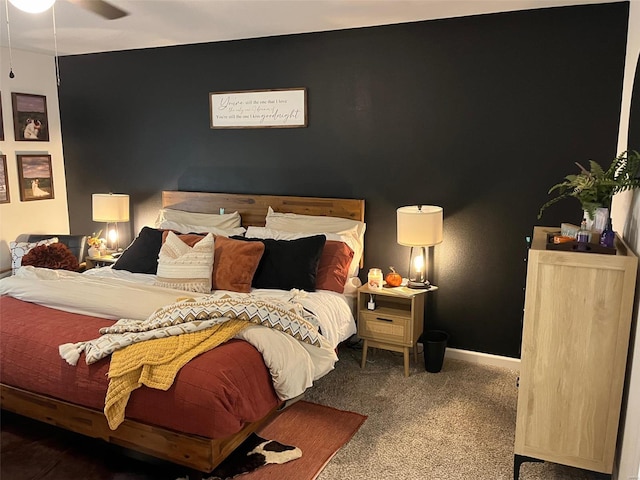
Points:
[184,228]
[183,267]
[349,236]
[293,222]
[225,221]
[20,249]
[264,232]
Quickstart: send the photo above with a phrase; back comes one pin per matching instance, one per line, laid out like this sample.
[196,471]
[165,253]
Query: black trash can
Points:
[435,344]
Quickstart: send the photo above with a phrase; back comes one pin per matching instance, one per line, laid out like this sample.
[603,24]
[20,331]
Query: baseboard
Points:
[483,358]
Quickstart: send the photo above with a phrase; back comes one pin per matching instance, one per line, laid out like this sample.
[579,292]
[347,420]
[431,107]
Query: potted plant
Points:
[596,187]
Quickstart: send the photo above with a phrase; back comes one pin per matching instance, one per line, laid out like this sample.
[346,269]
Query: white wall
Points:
[626,220]
[34,73]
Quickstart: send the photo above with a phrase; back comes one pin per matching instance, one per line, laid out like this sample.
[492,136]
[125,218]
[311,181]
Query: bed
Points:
[68,396]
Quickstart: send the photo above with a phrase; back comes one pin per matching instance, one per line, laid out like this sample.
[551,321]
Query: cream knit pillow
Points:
[183,267]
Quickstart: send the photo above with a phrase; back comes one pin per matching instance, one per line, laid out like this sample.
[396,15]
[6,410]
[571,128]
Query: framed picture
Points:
[4,180]
[1,121]
[35,176]
[30,121]
[279,108]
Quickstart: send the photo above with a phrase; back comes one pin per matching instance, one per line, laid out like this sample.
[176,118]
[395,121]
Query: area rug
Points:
[33,450]
[255,452]
[317,430]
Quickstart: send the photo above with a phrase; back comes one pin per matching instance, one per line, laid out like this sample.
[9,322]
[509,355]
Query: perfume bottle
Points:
[583,233]
[608,235]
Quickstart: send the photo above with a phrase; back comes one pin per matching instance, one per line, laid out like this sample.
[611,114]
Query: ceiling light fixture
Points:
[6,10]
[33,6]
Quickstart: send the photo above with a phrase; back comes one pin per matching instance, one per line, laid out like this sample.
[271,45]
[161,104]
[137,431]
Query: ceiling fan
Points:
[102,8]
[99,7]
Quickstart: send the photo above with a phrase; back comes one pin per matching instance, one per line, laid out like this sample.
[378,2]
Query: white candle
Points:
[375,278]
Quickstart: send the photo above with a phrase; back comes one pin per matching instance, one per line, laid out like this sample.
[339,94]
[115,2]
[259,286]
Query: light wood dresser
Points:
[577,318]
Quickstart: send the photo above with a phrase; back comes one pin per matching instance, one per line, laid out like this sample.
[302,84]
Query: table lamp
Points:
[419,227]
[110,208]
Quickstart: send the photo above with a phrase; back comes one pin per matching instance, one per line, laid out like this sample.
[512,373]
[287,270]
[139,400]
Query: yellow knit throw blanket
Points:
[155,363]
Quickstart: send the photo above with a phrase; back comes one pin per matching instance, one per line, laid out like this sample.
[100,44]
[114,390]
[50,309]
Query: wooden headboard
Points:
[253,208]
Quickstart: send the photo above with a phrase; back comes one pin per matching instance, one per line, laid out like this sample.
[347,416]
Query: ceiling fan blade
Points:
[102,8]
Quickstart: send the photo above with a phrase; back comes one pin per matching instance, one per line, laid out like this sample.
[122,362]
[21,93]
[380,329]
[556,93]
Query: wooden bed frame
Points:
[253,208]
[195,452]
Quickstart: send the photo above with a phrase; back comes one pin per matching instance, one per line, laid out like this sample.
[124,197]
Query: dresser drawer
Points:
[385,327]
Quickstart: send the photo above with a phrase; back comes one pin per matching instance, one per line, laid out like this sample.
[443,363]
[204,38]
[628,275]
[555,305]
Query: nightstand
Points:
[102,261]
[395,324]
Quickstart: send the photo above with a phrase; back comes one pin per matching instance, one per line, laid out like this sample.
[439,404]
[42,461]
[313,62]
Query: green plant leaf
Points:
[596,187]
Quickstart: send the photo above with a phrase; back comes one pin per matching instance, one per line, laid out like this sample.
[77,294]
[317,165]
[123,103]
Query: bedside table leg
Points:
[415,352]
[406,361]
[365,346]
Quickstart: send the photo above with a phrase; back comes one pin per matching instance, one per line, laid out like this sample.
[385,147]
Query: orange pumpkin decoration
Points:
[393,278]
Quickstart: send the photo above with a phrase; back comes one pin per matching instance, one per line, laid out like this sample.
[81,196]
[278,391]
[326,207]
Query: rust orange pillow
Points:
[235,263]
[55,256]
[189,238]
[333,269]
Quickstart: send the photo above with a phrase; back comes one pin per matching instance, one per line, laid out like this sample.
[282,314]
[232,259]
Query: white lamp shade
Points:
[110,207]
[419,225]
[33,6]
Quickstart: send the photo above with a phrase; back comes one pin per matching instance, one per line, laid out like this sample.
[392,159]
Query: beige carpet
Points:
[458,424]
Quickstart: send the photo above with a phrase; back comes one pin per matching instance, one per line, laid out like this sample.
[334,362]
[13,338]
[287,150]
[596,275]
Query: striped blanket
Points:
[189,316]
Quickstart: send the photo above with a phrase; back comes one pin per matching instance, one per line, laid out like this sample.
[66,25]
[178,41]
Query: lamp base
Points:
[418,285]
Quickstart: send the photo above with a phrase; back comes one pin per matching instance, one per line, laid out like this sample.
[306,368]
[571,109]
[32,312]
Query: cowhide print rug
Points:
[252,454]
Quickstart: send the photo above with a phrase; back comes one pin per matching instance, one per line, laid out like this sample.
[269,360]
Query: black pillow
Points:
[142,255]
[287,264]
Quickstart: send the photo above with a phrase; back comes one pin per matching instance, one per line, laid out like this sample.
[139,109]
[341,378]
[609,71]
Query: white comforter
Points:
[116,294]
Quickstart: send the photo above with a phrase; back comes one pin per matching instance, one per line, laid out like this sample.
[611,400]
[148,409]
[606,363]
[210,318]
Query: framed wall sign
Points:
[30,121]
[279,108]
[4,180]
[35,176]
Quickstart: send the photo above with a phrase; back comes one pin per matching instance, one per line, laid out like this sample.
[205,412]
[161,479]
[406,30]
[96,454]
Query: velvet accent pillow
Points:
[20,249]
[288,264]
[142,255]
[235,263]
[189,238]
[56,256]
[294,222]
[333,269]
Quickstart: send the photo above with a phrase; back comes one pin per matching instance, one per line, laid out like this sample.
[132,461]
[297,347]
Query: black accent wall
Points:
[480,115]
